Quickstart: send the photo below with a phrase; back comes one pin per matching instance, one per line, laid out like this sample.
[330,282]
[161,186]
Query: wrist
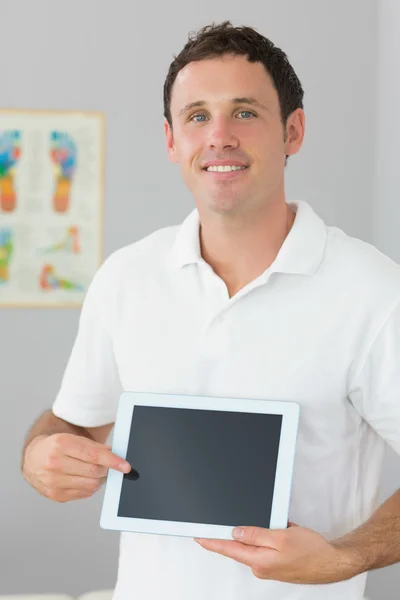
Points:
[349,559]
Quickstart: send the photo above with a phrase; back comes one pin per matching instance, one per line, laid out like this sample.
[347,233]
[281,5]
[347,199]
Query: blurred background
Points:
[113,57]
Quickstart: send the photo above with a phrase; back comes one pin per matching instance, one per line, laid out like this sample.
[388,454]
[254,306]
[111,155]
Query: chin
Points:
[225,207]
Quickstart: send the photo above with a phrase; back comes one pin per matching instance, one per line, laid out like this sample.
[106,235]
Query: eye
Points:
[193,117]
[202,116]
[248,112]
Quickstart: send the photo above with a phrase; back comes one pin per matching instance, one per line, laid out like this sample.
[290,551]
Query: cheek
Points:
[190,148]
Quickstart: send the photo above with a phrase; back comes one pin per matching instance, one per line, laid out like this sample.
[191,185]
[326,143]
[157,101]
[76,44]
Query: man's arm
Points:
[301,555]
[48,424]
[376,543]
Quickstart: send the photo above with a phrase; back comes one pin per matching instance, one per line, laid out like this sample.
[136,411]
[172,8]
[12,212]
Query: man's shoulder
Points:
[130,263]
[363,262]
[149,250]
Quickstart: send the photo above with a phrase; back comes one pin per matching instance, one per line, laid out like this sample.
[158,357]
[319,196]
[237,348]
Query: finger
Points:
[72,466]
[73,482]
[91,452]
[64,495]
[235,550]
[78,494]
[257,536]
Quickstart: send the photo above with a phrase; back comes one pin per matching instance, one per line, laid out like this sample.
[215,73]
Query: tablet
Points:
[200,465]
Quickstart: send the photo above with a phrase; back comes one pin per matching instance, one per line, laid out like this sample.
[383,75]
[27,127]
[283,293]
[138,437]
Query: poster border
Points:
[102,175]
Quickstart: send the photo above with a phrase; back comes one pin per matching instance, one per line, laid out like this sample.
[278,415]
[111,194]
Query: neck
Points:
[241,250]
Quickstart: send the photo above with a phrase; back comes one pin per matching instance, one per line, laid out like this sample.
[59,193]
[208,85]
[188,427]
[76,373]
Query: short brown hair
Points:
[217,40]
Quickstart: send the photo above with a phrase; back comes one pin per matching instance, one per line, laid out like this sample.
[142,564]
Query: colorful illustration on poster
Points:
[64,156]
[6,252]
[70,243]
[10,153]
[49,280]
[52,200]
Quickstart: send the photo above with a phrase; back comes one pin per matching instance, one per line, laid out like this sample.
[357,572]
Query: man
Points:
[251,297]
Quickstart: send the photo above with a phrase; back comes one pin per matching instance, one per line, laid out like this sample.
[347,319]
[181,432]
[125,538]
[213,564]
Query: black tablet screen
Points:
[201,466]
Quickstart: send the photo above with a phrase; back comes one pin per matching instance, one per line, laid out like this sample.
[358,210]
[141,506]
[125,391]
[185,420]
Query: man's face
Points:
[236,122]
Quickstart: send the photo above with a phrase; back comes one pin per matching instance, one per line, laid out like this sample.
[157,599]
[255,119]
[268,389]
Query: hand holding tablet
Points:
[200,465]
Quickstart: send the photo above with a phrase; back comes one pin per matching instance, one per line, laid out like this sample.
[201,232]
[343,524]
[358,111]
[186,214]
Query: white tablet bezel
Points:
[284,469]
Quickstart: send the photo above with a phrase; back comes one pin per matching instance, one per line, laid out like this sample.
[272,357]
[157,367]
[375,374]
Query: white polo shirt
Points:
[320,327]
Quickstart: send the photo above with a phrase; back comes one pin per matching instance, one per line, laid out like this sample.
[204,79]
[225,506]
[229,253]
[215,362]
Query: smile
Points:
[225,168]
[225,172]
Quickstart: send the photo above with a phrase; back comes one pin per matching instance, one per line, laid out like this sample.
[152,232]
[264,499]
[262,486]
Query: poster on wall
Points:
[51,206]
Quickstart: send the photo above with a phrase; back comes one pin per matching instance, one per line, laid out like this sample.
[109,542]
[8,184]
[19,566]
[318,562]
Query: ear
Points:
[295,129]
[172,153]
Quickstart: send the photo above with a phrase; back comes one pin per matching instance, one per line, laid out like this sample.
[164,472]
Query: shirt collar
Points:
[301,252]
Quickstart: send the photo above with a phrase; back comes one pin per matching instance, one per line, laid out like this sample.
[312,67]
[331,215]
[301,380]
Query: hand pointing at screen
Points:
[64,466]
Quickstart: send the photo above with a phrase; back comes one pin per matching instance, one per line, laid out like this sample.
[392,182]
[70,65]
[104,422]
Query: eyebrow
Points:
[244,100]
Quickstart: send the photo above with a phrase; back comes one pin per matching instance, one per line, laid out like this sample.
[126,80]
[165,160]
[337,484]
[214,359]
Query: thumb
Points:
[291,524]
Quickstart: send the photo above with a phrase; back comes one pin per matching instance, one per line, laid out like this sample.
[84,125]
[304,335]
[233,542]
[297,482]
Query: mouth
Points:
[225,172]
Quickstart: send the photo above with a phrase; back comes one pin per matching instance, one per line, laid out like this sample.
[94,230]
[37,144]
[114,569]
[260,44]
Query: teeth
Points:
[225,168]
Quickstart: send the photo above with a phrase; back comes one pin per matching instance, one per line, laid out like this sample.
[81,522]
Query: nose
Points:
[222,135]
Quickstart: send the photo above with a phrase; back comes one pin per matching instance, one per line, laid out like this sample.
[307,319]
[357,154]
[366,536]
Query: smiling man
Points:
[224,127]
[252,297]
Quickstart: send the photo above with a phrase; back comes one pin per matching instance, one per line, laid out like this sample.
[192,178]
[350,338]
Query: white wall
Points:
[386,213]
[113,57]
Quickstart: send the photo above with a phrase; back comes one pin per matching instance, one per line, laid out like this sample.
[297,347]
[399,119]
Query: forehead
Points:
[219,78]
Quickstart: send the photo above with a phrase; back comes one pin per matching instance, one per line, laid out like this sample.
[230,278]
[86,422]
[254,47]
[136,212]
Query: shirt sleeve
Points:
[91,386]
[375,392]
